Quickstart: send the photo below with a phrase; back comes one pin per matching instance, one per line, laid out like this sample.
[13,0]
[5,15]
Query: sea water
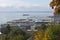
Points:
[12,15]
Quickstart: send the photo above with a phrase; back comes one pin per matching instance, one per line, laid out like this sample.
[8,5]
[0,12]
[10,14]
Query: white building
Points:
[0,33]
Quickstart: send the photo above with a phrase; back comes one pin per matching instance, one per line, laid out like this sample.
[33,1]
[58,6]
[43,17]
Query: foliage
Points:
[55,4]
[6,30]
[38,35]
[17,37]
[51,33]
[43,27]
[13,33]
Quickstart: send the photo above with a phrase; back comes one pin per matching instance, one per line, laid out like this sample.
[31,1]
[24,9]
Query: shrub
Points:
[52,33]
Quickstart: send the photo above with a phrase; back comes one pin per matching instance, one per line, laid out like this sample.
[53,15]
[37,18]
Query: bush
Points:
[13,33]
[52,33]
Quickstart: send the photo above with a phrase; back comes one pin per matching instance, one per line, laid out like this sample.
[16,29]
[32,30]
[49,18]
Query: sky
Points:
[22,5]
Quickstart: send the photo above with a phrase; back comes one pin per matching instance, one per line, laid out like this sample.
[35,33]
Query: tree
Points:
[43,27]
[56,4]
[7,31]
[13,33]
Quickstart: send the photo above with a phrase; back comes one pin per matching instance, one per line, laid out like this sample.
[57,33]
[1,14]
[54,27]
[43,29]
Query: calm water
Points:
[6,16]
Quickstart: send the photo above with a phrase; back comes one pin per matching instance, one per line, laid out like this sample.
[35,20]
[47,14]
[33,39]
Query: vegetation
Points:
[51,33]
[13,33]
[43,27]
[38,35]
[56,4]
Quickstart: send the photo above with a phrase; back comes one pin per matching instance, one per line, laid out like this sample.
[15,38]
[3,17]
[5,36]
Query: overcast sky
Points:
[24,3]
[32,5]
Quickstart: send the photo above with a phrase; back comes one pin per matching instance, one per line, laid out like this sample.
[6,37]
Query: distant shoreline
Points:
[26,11]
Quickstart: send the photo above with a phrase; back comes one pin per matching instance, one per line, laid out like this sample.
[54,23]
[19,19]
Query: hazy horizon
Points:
[9,16]
[10,9]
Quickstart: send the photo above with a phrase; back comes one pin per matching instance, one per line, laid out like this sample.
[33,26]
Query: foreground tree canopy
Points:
[55,4]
